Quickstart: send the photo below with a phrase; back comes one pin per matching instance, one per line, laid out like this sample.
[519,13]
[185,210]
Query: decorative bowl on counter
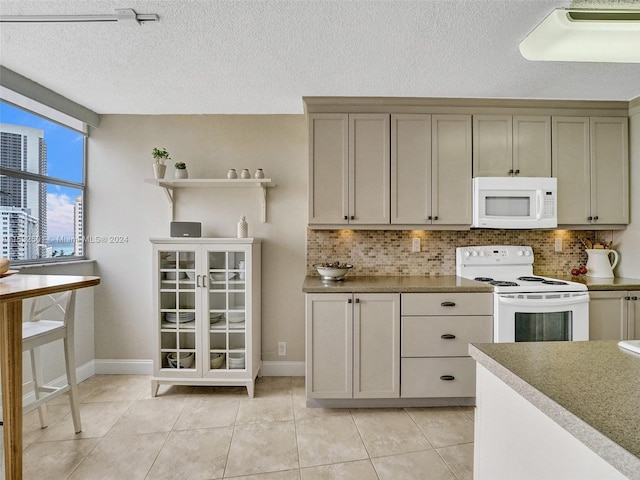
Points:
[332,272]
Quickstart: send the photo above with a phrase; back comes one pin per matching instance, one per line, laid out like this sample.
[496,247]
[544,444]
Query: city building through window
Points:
[42,185]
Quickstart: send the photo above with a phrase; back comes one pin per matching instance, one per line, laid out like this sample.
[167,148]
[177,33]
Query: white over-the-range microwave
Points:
[515,202]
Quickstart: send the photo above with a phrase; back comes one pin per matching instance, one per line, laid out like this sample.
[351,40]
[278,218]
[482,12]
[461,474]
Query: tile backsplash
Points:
[388,252]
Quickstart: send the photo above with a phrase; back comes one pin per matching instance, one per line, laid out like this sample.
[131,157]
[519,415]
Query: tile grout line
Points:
[364,444]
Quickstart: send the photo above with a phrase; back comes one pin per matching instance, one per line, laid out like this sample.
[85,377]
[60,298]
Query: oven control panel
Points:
[487,255]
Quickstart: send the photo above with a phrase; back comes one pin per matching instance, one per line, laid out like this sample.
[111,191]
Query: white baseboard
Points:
[145,367]
[123,367]
[283,369]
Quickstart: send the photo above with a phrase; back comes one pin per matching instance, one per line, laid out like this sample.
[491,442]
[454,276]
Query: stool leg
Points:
[36,373]
[69,358]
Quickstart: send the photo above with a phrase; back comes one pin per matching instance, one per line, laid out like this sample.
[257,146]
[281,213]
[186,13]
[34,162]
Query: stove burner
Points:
[503,283]
[483,279]
[554,282]
[531,279]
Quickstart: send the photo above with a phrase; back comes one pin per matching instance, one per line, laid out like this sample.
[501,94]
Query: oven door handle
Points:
[546,302]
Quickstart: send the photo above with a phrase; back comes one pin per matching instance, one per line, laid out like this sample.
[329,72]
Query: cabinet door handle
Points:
[429,217]
[627,298]
[634,298]
[349,301]
[448,304]
[447,377]
[346,218]
[511,172]
[353,217]
[595,218]
[517,172]
[448,336]
[589,218]
[357,300]
[197,280]
[435,218]
[204,281]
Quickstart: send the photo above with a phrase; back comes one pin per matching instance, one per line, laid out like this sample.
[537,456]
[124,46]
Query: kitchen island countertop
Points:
[591,389]
[395,284]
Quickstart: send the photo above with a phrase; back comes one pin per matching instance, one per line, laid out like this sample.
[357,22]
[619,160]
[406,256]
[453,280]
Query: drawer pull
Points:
[448,336]
[447,377]
[448,304]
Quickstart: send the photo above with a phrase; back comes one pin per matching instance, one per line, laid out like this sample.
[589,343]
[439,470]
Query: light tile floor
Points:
[210,433]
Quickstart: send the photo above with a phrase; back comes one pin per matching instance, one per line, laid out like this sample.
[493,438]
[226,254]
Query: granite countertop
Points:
[395,284]
[591,389]
[596,283]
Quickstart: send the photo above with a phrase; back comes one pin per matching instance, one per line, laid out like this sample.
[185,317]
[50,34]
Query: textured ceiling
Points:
[263,56]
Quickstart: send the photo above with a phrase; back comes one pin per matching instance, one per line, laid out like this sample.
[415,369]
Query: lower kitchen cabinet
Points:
[614,315]
[353,345]
[436,331]
[394,346]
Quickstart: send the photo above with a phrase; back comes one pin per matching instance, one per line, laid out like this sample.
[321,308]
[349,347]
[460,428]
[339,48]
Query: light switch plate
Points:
[415,245]
[557,245]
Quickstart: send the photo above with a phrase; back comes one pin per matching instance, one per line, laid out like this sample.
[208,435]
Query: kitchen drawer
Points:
[423,336]
[446,304]
[420,377]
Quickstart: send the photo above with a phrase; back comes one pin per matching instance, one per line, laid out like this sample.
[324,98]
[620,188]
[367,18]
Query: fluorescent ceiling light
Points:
[574,35]
[127,15]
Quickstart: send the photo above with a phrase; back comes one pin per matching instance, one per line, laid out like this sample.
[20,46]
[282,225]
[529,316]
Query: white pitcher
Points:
[599,262]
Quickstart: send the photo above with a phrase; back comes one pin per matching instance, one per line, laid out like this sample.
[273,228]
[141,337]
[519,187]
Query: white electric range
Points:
[527,307]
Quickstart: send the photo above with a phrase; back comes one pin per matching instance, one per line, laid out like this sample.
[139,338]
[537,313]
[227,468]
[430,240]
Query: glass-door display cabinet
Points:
[206,318]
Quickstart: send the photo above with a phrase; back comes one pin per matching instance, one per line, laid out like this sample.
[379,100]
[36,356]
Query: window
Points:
[42,187]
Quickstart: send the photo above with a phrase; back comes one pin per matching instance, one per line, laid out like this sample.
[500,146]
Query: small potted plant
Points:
[181,170]
[160,155]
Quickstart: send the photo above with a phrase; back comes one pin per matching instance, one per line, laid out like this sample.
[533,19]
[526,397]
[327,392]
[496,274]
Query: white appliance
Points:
[526,308]
[515,202]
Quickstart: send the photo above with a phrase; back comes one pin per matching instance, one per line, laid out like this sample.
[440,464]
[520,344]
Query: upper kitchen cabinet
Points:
[506,145]
[591,161]
[349,169]
[431,169]
[328,168]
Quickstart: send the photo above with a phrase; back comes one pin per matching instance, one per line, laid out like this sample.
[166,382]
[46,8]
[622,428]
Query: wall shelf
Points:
[170,184]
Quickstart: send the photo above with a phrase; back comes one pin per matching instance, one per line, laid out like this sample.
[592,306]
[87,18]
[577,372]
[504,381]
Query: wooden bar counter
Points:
[14,289]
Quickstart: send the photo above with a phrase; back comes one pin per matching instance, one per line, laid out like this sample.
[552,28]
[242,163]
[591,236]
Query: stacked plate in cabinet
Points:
[236,360]
[181,317]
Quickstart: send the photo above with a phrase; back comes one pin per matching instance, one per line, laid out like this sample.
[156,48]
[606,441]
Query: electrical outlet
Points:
[282,349]
[415,245]
[557,245]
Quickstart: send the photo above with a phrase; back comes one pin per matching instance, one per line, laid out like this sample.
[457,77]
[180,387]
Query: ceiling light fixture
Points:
[126,15]
[585,35]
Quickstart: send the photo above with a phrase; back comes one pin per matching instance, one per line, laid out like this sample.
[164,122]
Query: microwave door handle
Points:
[539,204]
[543,301]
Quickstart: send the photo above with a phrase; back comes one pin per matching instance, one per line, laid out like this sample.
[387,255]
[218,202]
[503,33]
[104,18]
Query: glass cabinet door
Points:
[226,339]
[177,312]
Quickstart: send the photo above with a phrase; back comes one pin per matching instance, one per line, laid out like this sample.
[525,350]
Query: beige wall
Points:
[628,241]
[120,203]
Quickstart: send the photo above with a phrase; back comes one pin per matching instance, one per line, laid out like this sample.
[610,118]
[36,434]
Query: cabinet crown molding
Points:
[466,106]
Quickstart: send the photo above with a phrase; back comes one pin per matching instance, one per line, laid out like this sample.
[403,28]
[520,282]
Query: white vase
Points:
[181,173]
[243,228]
[159,170]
